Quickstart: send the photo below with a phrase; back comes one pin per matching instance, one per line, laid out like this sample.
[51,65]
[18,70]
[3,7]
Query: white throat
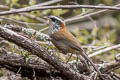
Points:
[54,27]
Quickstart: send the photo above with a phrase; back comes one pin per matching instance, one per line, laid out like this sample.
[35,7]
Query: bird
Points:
[64,41]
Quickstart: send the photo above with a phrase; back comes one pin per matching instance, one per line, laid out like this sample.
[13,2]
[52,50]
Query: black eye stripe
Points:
[53,19]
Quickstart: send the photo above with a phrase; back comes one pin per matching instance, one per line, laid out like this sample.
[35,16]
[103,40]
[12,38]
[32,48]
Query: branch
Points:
[41,52]
[37,5]
[80,17]
[26,24]
[67,20]
[3,6]
[14,11]
[45,3]
[109,67]
[33,17]
[105,50]
[30,32]
[19,60]
[13,62]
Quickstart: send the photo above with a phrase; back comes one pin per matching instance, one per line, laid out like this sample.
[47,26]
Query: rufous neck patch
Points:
[63,26]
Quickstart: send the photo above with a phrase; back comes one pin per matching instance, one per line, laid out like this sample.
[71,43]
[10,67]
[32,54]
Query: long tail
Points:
[88,59]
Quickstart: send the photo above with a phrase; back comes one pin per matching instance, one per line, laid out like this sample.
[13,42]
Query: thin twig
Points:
[33,17]
[44,4]
[22,23]
[37,5]
[27,15]
[87,15]
[4,7]
[104,50]
[78,16]
[44,29]
[110,66]
[14,11]
[75,19]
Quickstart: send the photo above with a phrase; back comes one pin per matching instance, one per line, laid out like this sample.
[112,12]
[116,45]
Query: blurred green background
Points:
[102,29]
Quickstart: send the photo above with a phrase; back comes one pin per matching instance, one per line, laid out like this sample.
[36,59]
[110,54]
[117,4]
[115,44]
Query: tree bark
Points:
[41,52]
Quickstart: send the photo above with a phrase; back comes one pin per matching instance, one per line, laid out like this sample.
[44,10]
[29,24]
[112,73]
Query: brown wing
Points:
[68,39]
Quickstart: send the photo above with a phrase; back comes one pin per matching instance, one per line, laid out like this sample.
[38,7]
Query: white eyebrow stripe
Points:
[58,18]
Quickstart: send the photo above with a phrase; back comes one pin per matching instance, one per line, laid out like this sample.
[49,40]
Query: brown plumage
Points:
[64,40]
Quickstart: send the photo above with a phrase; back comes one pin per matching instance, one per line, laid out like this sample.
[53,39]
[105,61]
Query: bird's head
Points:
[55,24]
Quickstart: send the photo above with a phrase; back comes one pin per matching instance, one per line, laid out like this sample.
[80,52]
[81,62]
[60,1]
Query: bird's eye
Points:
[53,19]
